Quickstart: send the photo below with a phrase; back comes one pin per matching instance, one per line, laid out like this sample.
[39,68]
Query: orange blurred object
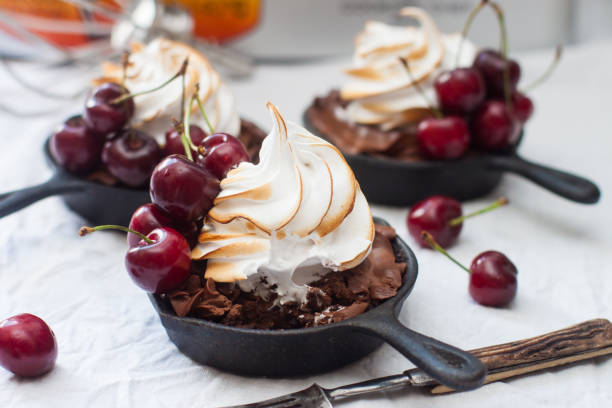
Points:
[221,20]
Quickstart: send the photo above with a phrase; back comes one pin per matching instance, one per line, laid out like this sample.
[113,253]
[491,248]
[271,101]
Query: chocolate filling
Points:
[333,298]
[354,138]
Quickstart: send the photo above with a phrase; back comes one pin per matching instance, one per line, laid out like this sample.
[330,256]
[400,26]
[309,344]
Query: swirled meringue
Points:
[155,63]
[380,90]
[289,219]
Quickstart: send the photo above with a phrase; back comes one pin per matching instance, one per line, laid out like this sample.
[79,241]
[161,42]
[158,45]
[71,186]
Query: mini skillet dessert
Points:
[288,242]
[126,128]
[411,89]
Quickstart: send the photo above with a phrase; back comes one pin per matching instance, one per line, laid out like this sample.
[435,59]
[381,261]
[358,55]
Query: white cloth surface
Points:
[114,352]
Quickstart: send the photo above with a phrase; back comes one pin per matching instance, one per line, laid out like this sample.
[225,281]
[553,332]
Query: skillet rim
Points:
[393,304]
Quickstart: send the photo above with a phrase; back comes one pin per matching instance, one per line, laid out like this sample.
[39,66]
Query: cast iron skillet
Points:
[96,202]
[395,182]
[283,353]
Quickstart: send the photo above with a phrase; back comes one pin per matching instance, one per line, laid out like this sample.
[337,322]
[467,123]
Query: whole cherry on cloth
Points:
[492,65]
[442,217]
[174,142]
[522,106]
[183,189]
[103,114]
[148,216]
[159,262]
[460,91]
[494,128]
[492,275]
[443,138]
[221,153]
[131,156]
[27,345]
[75,147]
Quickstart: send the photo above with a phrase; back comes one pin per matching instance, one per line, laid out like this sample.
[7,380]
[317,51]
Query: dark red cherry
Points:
[102,115]
[492,279]
[434,215]
[149,216]
[27,345]
[522,106]
[443,138]
[131,156]
[222,152]
[145,219]
[174,142]
[492,65]
[183,189]
[76,148]
[494,128]
[460,91]
[162,265]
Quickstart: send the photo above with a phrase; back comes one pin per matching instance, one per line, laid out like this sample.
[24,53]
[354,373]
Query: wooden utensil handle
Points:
[585,340]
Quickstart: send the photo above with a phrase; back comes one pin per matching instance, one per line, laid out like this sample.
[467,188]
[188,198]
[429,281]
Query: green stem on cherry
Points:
[466,28]
[547,73]
[430,105]
[498,203]
[196,95]
[186,134]
[180,72]
[88,230]
[429,239]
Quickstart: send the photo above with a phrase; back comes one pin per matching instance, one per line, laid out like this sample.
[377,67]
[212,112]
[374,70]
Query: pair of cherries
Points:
[436,223]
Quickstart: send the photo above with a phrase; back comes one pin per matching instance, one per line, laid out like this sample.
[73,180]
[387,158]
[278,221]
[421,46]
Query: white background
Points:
[113,350]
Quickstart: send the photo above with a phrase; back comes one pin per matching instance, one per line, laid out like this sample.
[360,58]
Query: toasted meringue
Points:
[299,209]
[380,90]
[155,63]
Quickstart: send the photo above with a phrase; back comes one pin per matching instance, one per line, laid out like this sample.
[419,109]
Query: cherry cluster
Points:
[436,223]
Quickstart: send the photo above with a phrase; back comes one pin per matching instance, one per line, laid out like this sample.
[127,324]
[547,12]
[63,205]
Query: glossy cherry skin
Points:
[434,215]
[131,156]
[161,266]
[493,279]
[27,345]
[183,189]
[74,147]
[443,138]
[522,106]
[174,142]
[223,152]
[492,65]
[494,128]
[104,117]
[147,217]
[460,91]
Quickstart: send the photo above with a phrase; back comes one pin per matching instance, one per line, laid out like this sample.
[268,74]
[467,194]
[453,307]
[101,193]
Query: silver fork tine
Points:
[312,397]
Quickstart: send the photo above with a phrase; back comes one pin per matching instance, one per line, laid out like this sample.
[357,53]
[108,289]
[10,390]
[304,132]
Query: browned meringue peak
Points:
[152,64]
[380,91]
[299,206]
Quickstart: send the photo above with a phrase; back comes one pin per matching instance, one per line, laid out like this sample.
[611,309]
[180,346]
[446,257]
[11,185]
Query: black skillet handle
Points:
[447,364]
[16,200]
[567,185]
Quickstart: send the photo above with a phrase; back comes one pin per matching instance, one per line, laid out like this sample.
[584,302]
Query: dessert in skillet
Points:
[126,127]
[415,93]
[288,242]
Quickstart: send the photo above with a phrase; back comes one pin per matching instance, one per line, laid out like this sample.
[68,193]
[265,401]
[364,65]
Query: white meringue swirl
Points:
[380,90]
[155,63]
[300,209]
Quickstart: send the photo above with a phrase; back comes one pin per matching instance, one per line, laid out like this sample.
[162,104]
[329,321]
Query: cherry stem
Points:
[466,28]
[503,48]
[459,220]
[430,105]
[88,230]
[180,72]
[429,239]
[186,134]
[182,96]
[196,95]
[547,73]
